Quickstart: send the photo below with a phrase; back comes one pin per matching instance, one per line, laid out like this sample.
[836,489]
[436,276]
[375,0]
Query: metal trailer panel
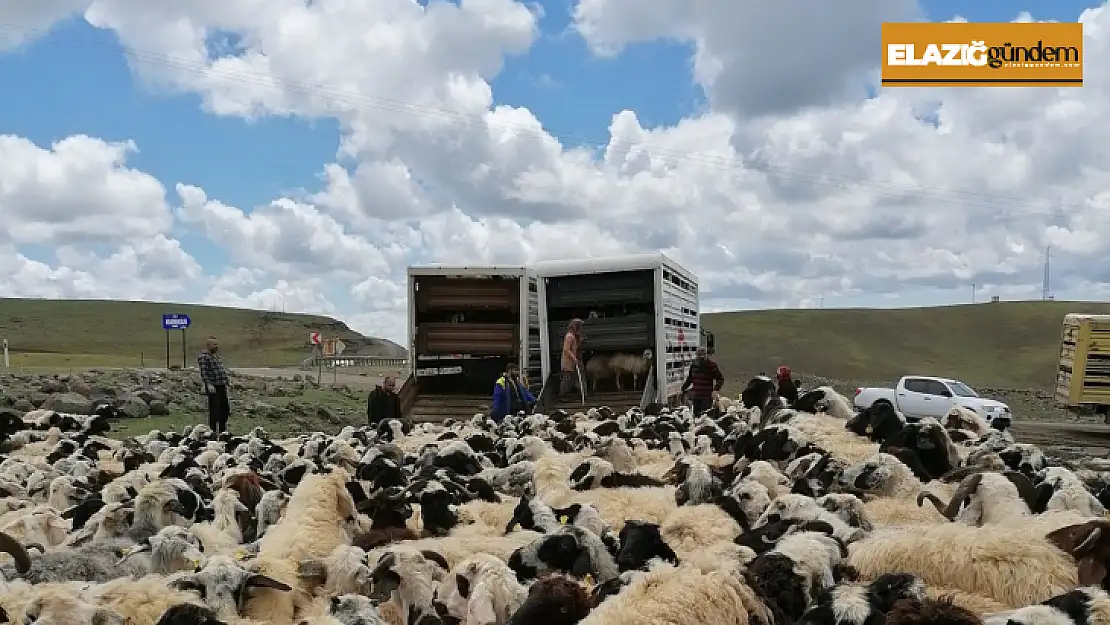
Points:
[545,333]
[530,367]
[1083,371]
[680,299]
[679,326]
[470,271]
[607,264]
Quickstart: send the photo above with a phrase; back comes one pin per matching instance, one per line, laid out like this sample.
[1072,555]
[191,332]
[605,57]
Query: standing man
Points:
[704,381]
[572,349]
[383,402]
[215,379]
[510,396]
[787,388]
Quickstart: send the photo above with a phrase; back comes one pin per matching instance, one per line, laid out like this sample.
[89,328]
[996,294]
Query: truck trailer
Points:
[643,306]
[1083,371]
[466,324]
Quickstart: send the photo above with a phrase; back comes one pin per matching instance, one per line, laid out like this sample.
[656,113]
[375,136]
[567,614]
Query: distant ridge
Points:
[45,332]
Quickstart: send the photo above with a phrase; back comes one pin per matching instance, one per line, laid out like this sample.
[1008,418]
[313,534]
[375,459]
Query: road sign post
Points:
[7,363]
[176,321]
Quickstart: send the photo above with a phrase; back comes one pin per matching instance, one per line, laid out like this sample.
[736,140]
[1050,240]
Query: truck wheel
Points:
[878,402]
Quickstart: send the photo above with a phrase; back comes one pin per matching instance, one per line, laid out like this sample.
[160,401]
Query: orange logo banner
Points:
[965,54]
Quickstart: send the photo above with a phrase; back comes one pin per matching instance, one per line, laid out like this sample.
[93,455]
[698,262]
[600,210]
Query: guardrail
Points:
[353,361]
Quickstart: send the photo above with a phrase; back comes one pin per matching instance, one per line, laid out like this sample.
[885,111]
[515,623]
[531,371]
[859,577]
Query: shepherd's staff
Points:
[581,382]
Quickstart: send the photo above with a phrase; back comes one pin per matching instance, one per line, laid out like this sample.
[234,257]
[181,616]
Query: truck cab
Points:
[919,396]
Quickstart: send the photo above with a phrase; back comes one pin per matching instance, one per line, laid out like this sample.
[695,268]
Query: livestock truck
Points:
[643,305]
[465,325]
[1083,371]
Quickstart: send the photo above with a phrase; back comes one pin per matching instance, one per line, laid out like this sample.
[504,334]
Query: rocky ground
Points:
[160,399]
[285,401]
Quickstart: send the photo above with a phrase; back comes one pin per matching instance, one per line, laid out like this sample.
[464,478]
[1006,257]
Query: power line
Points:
[961,197]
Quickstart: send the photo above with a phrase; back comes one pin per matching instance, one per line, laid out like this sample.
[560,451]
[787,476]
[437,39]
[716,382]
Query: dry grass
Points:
[1004,345]
[94,333]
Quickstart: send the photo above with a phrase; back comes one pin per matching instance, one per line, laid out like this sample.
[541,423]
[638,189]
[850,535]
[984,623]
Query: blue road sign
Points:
[175,322]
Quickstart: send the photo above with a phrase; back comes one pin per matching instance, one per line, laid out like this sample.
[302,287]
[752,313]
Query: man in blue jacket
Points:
[510,395]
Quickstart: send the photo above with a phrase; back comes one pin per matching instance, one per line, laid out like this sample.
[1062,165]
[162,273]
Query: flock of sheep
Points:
[617,366]
[754,513]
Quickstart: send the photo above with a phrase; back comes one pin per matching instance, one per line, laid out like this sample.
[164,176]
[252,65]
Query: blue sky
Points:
[76,80]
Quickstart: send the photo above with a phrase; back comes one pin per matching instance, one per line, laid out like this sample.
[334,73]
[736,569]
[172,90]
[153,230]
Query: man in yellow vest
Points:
[510,395]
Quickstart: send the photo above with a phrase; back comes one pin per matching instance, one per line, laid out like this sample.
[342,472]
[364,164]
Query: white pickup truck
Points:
[918,396]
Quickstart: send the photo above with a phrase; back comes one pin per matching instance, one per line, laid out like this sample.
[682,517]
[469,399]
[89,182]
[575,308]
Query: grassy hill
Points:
[1003,345]
[80,333]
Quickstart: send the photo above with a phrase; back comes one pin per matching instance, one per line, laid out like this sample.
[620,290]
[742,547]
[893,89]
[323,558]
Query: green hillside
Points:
[1003,345]
[81,333]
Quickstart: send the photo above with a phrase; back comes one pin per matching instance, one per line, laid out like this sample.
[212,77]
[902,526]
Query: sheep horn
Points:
[933,499]
[262,581]
[1024,488]
[958,474]
[967,489]
[12,547]
[1088,542]
[267,484]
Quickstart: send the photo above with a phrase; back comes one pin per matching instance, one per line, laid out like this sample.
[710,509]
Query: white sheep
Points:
[992,498]
[481,590]
[629,364]
[1027,563]
[1068,492]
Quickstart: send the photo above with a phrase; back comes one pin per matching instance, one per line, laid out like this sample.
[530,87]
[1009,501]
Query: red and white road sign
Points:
[314,338]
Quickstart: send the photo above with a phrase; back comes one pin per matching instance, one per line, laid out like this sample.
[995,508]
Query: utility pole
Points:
[1046,285]
[972,292]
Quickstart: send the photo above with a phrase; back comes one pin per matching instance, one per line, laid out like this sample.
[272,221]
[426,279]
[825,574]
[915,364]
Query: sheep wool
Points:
[1015,568]
[666,595]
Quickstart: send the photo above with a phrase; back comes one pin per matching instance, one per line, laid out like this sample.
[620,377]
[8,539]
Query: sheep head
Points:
[189,614]
[387,507]
[353,608]
[930,611]
[1089,544]
[968,488]
[223,584]
[58,607]
[553,600]
[640,542]
[388,575]
[172,549]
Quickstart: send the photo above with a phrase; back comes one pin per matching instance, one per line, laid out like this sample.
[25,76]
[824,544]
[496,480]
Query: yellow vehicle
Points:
[1083,373]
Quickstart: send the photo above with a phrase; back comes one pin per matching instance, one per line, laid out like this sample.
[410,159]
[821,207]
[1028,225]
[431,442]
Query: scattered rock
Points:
[327,415]
[134,408]
[67,402]
[287,404]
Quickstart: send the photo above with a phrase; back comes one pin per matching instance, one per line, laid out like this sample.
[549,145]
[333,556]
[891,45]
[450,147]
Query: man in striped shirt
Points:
[215,379]
[705,379]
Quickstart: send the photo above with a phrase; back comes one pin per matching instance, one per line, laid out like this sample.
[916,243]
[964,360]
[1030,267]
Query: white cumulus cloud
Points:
[793,185]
